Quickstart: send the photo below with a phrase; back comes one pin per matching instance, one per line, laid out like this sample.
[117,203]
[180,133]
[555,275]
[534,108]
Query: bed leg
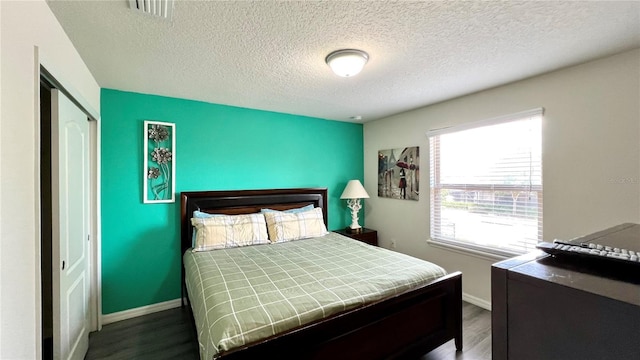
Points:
[182,286]
[458,336]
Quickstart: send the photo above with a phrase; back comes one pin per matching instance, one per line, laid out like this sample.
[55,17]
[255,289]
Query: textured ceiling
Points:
[269,55]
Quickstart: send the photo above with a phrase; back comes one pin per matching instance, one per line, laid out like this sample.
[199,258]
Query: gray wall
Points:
[591,158]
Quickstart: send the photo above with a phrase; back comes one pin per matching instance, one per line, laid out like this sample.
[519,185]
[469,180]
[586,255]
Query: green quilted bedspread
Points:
[242,295]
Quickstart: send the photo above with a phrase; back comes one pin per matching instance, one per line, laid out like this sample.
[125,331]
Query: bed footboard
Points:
[404,326]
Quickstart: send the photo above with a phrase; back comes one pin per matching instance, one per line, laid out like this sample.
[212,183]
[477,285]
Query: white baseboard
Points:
[476,301]
[143,310]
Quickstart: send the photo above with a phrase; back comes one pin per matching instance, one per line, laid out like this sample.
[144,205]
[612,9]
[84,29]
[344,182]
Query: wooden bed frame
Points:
[406,325]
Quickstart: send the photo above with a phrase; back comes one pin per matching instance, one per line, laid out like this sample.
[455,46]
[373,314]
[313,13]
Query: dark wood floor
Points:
[476,337]
[170,335]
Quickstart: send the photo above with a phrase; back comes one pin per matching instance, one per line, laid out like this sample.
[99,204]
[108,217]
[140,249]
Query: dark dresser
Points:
[547,307]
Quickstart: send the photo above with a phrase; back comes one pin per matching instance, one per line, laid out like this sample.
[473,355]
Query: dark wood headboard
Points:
[234,202]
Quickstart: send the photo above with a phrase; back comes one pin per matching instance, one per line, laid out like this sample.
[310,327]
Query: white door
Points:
[70,195]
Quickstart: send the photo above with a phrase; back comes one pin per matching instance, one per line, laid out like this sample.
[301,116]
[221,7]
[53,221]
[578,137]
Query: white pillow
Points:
[200,214]
[285,226]
[227,231]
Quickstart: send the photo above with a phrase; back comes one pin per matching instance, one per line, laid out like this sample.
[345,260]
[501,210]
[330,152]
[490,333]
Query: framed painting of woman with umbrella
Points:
[399,173]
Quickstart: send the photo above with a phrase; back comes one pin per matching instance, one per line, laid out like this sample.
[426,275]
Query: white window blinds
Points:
[486,184]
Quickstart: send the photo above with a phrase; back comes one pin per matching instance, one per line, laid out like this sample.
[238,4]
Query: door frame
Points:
[95,276]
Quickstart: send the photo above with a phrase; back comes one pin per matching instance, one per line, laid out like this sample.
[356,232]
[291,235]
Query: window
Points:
[486,184]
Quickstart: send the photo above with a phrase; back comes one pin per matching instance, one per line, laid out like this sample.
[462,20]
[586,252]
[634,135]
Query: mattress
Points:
[243,295]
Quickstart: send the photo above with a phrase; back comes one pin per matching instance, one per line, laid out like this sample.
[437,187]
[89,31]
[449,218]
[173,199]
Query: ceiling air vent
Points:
[161,8]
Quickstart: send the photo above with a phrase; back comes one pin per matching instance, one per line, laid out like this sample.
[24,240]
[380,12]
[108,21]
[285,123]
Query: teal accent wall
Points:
[217,148]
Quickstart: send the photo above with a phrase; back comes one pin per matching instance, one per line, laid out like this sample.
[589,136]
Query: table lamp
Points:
[353,192]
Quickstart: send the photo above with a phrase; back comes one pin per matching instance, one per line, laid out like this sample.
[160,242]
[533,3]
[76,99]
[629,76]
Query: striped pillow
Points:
[227,231]
[200,214]
[284,226]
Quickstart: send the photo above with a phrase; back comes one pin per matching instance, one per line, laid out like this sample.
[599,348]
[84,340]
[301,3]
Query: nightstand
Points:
[366,235]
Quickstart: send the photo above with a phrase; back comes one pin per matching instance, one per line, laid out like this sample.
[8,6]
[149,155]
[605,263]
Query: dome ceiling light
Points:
[347,62]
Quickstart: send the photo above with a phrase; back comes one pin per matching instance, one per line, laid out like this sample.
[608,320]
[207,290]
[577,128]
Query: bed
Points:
[403,323]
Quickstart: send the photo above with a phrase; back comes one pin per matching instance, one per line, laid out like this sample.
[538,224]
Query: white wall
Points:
[30,34]
[591,157]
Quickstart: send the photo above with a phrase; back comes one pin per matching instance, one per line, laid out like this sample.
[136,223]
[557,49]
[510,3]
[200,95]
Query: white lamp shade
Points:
[347,62]
[354,190]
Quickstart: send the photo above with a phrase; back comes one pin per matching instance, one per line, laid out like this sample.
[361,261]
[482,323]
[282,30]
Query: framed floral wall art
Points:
[159,162]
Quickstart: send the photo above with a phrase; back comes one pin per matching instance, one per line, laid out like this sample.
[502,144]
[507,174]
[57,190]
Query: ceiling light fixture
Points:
[347,62]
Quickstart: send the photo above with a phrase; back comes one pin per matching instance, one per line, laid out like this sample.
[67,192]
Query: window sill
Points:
[485,255]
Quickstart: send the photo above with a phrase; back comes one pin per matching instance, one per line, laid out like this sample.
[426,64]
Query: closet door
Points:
[70,200]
